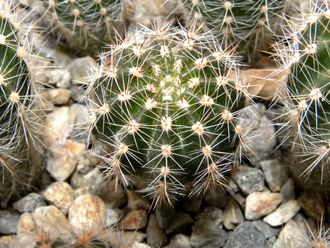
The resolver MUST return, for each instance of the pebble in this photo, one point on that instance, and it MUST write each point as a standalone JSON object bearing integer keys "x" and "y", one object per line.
{"x": 156, "y": 237}
{"x": 29, "y": 203}
{"x": 265, "y": 229}
{"x": 25, "y": 225}
{"x": 248, "y": 179}
{"x": 285, "y": 212}
{"x": 59, "y": 96}
{"x": 259, "y": 204}
{"x": 81, "y": 68}
{"x": 275, "y": 174}
{"x": 57, "y": 77}
{"x": 60, "y": 163}
{"x": 59, "y": 125}
{"x": 179, "y": 223}
{"x": 293, "y": 234}
{"x": 246, "y": 235}
{"x": 52, "y": 222}
{"x": 134, "y": 220}
{"x": 260, "y": 138}
{"x": 7, "y": 241}
{"x": 60, "y": 194}
{"x": 125, "y": 239}
{"x": 140, "y": 245}
{"x": 232, "y": 215}
{"x": 8, "y": 222}
{"x": 136, "y": 201}
{"x": 287, "y": 190}
{"x": 179, "y": 241}
{"x": 88, "y": 214}
{"x": 207, "y": 231}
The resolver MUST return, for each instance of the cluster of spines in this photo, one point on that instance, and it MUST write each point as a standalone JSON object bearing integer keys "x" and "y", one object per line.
{"x": 249, "y": 25}
{"x": 85, "y": 25}
{"x": 306, "y": 51}
{"x": 17, "y": 137}
{"x": 163, "y": 103}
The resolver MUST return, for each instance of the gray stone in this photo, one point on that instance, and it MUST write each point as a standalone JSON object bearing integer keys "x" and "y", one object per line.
{"x": 285, "y": 212}
{"x": 140, "y": 245}
{"x": 265, "y": 229}
{"x": 232, "y": 215}
{"x": 207, "y": 231}
{"x": 249, "y": 179}
{"x": 259, "y": 204}
{"x": 179, "y": 241}
{"x": 156, "y": 237}
{"x": 287, "y": 190}
{"x": 179, "y": 223}
{"x": 246, "y": 235}
{"x": 260, "y": 138}
{"x": 29, "y": 203}
{"x": 8, "y": 222}
{"x": 275, "y": 174}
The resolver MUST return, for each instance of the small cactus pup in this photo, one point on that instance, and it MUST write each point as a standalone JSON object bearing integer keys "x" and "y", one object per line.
{"x": 162, "y": 102}
{"x": 247, "y": 24}
{"x": 17, "y": 126}
{"x": 307, "y": 52}
{"x": 84, "y": 25}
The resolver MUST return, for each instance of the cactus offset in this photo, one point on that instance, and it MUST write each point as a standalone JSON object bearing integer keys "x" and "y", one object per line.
{"x": 163, "y": 103}
{"x": 249, "y": 25}
{"x": 86, "y": 26}
{"x": 17, "y": 140}
{"x": 307, "y": 52}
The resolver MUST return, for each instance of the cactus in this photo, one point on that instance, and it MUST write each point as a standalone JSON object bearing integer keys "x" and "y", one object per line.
{"x": 306, "y": 52}
{"x": 162, "y": 102}
{"x": 86, "y": 26}
{"x": 249, "y": 25}
{"x": 17, "y": 137}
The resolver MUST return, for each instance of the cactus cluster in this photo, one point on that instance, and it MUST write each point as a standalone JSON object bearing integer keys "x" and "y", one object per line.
{"x": 17, "y": 137}
{"x": 84, "y": 25}
{"x": 163, "y": 103}
{"x": 250, "y": 25}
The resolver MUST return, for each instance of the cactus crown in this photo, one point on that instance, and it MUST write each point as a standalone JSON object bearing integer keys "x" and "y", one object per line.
{"x": 85, "y": 25}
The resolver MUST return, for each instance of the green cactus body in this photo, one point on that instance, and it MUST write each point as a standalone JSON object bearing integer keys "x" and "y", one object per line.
{"x": 246, "y": 24}
{"x": 309, "y": 87}
{"x": 85, "y": 25}
{"x": 15, "y": 170}
{"x": 169, "y": 113}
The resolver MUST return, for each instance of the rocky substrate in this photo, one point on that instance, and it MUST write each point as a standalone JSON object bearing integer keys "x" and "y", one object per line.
{"x": 260, "y": 207}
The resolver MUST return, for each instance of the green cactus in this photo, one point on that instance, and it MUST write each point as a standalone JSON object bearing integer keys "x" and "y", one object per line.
{"x": 83, "y": 25}
{"x": 306, "y": 51}
{"x": 247, "y": 24}
{"x": 17, "y": 142}
{"x": 164, "y": 105}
